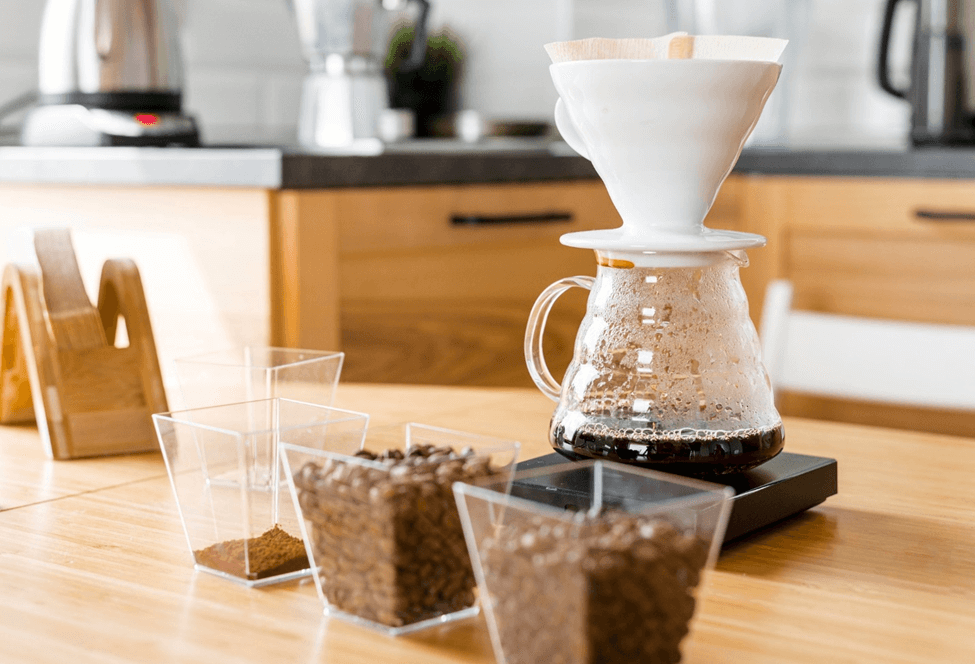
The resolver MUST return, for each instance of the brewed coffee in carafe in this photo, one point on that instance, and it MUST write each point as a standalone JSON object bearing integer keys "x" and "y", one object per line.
{"x": 666, "y": 370}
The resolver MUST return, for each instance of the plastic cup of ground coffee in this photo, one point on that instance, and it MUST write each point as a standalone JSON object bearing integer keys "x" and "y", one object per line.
{"x": 382, "y": 528}
{"x": 239, "y": 520}
{"x": 606, "y": 569}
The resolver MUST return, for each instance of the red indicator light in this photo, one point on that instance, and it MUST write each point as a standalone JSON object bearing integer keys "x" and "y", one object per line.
{"x": 147, "y": 119}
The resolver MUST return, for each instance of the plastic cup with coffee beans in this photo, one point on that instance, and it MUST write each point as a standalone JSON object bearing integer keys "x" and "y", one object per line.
{"x": 611, "y": 576}
{"x": 238, "y": 517}
{"x": 381, "y": 525}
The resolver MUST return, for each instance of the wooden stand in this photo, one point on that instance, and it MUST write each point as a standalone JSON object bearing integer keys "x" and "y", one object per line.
{"x": 59, "y": 365}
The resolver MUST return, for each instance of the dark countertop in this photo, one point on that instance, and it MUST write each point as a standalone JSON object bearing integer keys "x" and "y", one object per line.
{"x": 444, "y": 162}
{"x": 304, "y": 171}
{"x": 952, "y": 163}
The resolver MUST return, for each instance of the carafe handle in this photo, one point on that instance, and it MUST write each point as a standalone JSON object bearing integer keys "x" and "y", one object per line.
{"x": 567, "y": 128}
{"x": 534, "y": 356}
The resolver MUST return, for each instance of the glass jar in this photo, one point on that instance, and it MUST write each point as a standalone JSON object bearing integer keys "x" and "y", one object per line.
{"x": 667, "y": 369}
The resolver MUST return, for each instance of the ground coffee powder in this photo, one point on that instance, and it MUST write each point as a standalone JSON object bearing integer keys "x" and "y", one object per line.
{"x": 275, "y": 552}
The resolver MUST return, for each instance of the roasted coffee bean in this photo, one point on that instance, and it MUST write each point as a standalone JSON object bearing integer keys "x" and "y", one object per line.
{"x": 420, "y": 451}
{"x": 392, "y": 538}
{"x": 614, "y": 589}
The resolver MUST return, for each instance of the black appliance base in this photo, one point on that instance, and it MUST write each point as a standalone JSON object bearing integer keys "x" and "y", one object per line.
{"x": 780, "y": 488}
{"x": 120, "y": 100}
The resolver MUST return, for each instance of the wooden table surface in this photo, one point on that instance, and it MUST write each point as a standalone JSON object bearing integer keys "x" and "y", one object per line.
{"x": 94, "y": 566}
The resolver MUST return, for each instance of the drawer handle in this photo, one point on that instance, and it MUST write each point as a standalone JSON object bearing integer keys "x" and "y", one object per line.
{"x": 933, "y": 215}
{"x": 501, "y": 219}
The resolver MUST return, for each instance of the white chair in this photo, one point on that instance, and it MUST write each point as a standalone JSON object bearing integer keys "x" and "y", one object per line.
{"x": 846, "y": 357}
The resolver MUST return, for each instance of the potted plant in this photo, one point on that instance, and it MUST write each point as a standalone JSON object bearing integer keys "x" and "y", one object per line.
{"x": 430, "y": 90}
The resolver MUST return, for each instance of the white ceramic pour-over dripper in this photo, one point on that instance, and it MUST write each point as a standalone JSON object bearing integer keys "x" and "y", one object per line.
{"x": 663, "y": 135}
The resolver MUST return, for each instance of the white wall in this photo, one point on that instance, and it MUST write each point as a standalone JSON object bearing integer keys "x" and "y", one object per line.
{"x": 244, "y": 67}
{"x": 835, "y": 93}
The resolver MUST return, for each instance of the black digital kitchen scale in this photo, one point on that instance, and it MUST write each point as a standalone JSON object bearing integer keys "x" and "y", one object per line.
{"x": 780, "y": 488}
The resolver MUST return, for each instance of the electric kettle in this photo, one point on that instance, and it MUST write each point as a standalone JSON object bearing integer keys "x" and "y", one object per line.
{"x": 941, "y": 90}
{"x": 110, "y": 73}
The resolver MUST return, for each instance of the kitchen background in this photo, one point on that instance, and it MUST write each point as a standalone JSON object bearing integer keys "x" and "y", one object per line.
{"x": 244, "y": 67}
{"x": 266, "y": 246}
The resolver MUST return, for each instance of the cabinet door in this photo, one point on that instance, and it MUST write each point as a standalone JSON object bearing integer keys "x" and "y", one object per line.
{"x": 902, "y": 250}
{"x": 899, "y": 249}
{"x": 437, "y": 282}
{"x": 434, "y": 284}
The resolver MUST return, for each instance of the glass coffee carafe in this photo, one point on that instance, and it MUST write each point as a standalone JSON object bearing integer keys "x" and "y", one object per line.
{"x": 666, "y": 370}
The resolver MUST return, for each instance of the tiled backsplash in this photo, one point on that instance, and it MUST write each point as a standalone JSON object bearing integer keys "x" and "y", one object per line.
{"x": 244, "y": 66}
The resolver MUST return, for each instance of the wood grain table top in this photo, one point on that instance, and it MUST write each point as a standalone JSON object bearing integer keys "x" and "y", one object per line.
{"x": 94, "y": 565}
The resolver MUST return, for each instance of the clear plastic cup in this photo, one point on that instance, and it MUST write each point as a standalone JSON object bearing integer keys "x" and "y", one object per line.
{"x": 251, "y": 373}
{"x": 385, "y": 539}
{"x": 231, "y": 494}
{"x": 613, "y": 579}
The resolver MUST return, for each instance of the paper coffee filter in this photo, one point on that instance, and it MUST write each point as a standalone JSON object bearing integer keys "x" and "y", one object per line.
{"x": 676, "y": 45}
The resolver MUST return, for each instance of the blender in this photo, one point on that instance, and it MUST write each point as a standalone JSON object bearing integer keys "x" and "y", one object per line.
{"x": 345, "y": 93}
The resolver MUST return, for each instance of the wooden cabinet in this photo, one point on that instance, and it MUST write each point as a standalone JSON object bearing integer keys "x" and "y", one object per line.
{"x": 899, "y": 249}
{"x": 434, "y": 284}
